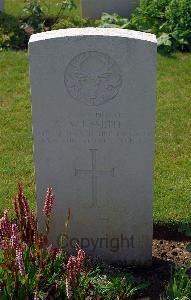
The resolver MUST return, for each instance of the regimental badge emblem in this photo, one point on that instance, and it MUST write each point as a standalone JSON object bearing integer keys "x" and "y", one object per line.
{"x": 93, "y": 78}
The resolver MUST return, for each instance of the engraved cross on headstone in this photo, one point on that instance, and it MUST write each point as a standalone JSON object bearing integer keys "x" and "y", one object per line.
{"x": 94, "y": 173}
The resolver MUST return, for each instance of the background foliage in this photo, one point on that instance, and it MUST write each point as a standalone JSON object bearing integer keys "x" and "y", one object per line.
{"x": 170, "y": 20}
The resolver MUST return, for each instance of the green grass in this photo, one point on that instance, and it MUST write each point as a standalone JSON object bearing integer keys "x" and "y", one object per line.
{"x": 173, "y": 131}
{"x": 51, "y": 7}
{"x": 16, "y": 159}
{"x": 173, "y": 143}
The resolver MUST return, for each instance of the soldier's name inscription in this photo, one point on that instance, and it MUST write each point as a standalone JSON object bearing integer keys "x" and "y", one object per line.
{"x": 97, "y": 127}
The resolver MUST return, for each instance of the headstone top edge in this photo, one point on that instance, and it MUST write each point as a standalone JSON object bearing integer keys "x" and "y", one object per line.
{"x": 90, "y": 31}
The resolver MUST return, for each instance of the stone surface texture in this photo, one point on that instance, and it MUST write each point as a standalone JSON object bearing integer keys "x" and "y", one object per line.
{"x": 1, "y": 5}
{"x": 93, "y": 108}
{"x": 93, "y": 9}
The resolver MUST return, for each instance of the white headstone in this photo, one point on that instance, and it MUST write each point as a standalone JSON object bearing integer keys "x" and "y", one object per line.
{"x": 93, "y": 107}
{"x": 1, "y": 5}
{"x": 93, "y": 9}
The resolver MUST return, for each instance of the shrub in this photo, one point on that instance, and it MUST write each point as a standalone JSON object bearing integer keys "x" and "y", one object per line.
{"x": 11, "y": 33}
{"x": 170, "y": 20}
{"x": 113, "y": 20}
{"x": 178, "y": 24}
{"x": 74, "y": 22}
{"x": 15, "y": 32}
{"x": 65, "y": 4}
{"x": 35, "y": 16}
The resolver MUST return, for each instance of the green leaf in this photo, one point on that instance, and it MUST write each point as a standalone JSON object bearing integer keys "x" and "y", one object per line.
{"x": 164, "y": 40}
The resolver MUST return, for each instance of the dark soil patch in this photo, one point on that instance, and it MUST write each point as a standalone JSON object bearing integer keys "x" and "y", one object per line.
{"x": 171, "y": 251}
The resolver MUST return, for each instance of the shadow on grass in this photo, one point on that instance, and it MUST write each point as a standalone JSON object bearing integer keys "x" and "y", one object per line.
{"x": 167, "y": 54}
{"x": 172, "y": 232}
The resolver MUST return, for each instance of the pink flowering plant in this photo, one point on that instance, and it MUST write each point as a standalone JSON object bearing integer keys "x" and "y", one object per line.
{"x": 31, "y": 268}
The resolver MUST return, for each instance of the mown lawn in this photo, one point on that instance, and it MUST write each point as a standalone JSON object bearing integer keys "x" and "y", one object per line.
{"x": 173, "y": 140}
{"x": 173, "y": 131}
{"x": 16, "y": 160}
{"x": 51, "y": 7}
